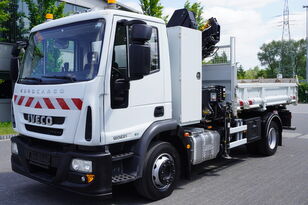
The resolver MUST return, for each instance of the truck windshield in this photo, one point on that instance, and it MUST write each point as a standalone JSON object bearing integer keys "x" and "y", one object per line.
{"x": 63, "y": 54}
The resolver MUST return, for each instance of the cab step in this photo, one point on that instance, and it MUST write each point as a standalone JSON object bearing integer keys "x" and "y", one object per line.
{"x": 122, "y": 156}
{"x": 122, "y": 178}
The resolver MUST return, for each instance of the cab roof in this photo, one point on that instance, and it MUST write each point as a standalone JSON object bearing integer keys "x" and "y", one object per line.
{"x": 94, "y": 15}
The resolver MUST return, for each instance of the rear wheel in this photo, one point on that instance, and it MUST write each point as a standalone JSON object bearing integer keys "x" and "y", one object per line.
{"x": 268, "y": 145}
{"x": 252, "y": 148}
{"x": 160, "y": 172}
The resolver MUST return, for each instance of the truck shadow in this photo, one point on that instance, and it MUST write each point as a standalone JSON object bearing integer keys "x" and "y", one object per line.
{"x": 215, "y": 166}
{"x": 27, "y": 191}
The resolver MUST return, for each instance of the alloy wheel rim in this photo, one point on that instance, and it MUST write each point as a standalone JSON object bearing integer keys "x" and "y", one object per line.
{"x": 272, "y": 138}
{"x": 163, "y": 171}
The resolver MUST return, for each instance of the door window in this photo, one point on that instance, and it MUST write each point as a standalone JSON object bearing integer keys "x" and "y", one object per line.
{"x": 154, "y": 50}
{"x": 119, "y": 68}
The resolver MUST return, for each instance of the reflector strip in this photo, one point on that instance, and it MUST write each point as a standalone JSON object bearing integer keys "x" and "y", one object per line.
{"x": 49, "y": 103}
{"x": 21, "y": 100}
{"x": 63, "y": 104}
{"x": 38, "y": 105}
{"x": 29, "y": 101}
{"x": 77, "y": 102}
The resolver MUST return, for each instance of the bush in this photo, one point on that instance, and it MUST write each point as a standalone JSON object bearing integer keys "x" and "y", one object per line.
{"x": 303, "y": 92}
{"x": 6, "y": 128}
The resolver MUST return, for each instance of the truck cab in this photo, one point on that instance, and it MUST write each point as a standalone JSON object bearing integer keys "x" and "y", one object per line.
{"x": 78, "y": 70}
{"x": 77, "y": 87}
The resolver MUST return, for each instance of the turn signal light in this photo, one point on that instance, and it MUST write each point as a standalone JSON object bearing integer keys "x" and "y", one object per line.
{"x": 90, "y": 177}
{"x": 112, "y": 1}
{"x": 186, "y": 134}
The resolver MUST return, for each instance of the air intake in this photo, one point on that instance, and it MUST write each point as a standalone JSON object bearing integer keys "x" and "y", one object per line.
{"x": 88, "y": 131}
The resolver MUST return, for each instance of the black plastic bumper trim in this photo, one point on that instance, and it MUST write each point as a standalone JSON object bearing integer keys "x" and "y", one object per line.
{"x": 57, "y": 171}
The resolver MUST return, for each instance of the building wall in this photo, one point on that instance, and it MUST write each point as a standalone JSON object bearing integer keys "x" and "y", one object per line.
{"x": 99, "y": 4}
{"x": 5, "y": 82}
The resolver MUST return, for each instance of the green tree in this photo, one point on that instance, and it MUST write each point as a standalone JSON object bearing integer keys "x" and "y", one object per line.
{"x": 218, "y": 58}
{"x": 37, "y": 15}
{"x": 197, "y": 9}
{"x": 39, "y": 8}
{"x": 288, "y": 55}
{"x": 4, "y": 14}
{"x": 11, "y": 22}
{"x": 303, "y": 92}
{"x": 255, "y": 73}
{"x": 241, "y": 72}
{"x": 152, "y": 8}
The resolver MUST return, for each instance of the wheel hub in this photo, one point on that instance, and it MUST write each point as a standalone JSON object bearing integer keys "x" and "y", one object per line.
{"x": 163, "y": 172}
{"x": 272, "y": 138}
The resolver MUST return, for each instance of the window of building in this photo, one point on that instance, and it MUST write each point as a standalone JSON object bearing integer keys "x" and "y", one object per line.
{"x": 80, "y": 9}
{"x": 5, "y": 86}
{"x": 71, "y": 8}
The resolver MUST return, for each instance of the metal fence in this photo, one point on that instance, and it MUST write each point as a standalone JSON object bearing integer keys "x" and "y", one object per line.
{"x": 225, "y": 54}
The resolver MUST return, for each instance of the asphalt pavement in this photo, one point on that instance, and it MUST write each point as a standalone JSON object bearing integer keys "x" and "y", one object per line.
{"x": 246, "y": 179}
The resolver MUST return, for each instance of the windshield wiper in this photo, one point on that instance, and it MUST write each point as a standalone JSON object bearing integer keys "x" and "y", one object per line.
{"x": 31, "y": 78}
{"x": 65, "y": 77}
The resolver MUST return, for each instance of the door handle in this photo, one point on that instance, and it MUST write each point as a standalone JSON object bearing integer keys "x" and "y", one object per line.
{"x": 159, "y": 111}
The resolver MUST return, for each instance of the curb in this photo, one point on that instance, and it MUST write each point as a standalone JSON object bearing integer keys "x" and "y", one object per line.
{"x": 6, "y": 137}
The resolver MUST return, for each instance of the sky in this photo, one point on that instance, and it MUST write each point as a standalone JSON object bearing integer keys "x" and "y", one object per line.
{"x": 251, "y": 22}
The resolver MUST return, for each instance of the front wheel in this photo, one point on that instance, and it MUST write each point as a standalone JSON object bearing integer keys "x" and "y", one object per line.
{"x": 268, "y": 145}
{"x": 160, "y": 172}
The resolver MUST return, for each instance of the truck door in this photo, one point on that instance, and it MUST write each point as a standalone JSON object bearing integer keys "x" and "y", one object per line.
{"x": 132, "y": 107}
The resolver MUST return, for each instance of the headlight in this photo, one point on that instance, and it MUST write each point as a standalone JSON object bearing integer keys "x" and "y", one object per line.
{"x": 14, "y": 148}
{"x": 80, "y": 165}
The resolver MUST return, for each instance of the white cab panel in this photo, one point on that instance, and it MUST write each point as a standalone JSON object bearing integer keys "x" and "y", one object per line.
{"x": 145, "y": 95}
{"x": 186, "y": 64}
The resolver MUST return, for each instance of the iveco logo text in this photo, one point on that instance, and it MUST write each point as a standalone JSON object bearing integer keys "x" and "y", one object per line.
{"x": 38, "y": 119}
{"x": 41, "y": 92}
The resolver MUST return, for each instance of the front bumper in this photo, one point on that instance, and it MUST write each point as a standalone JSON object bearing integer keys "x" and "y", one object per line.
{"x": 50, "y": 163}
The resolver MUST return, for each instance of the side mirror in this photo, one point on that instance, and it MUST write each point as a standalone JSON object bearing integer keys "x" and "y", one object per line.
{"x": 140, "y": 51}
{"x": 14, "y": 67}
{"x": 141, "y": 33}
{"x": 22, "y": 44}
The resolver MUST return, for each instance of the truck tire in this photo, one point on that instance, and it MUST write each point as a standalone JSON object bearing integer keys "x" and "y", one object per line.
{"x": 269, "y": 143}
{"x": 252, "y": 148}
{"x": 161, "y": 172}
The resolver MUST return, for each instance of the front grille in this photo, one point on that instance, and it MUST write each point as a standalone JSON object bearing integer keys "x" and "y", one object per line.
{"x": 55, "y": 120}
{"x": 44, "y": 130}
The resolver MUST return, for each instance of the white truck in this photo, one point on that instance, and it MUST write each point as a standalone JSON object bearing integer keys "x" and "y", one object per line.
{"x": 111, "y": 97}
